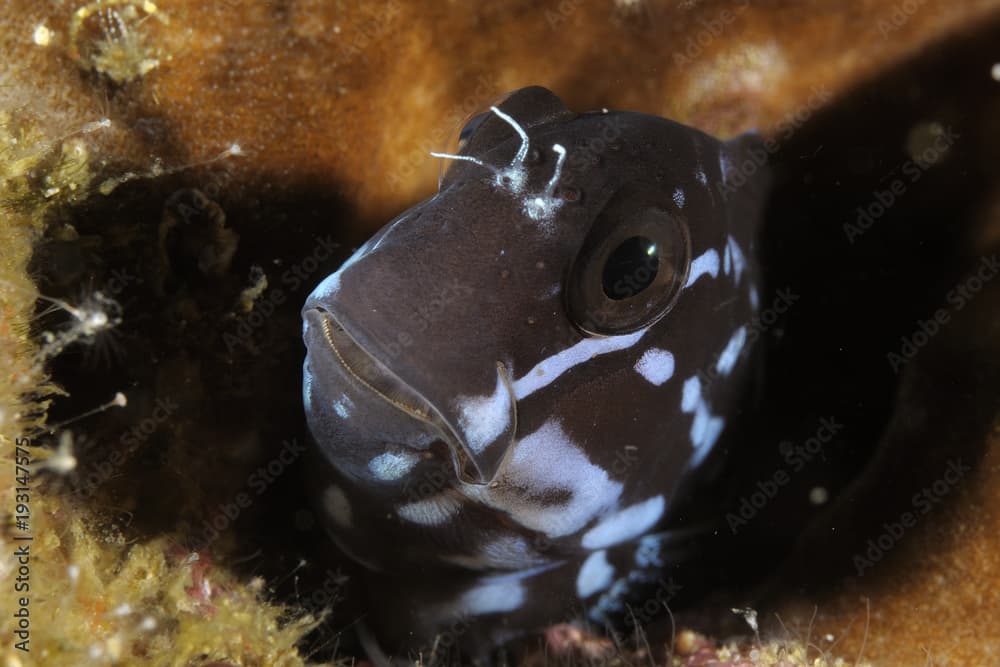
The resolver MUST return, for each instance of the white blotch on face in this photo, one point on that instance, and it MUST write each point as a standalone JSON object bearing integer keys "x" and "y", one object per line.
{"x": 307, "y": 385}
{"x": 738, "y": 259}
{"x": 494, "y": 596}
{"x": 706, "y": 263}
{"x": 483, "y": 418}
{"x": 656, "y": 365}
{"x": 679, "y": 198}
{"x": 432, "y": 511}
{"x": 648, "y": 554}
{"x": 337, "y": 506}
{"x": 724, "y": 165}
{"x": 624, "y": 524}
{"x": 701, "y": 177}
{"x": 691, "y": 394}
{"x": 343, "y": 406}
{"x": 546, "y": 462}
{"x": 595, "y": 575}
{"x": 727, "y": 360}
{"x": 547, "y": 370}
{"x": 391, "y": 466}
{"x": 505, "y": 552}
{"x": 705, "y": 428}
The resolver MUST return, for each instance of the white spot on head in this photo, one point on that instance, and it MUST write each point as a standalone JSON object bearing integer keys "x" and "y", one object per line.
{"x": 739, "y": 260}
{"x": 595, "y": 575}
{"x": 504, "y": 552}
{"x": 547, "y": 370}
{"x": 432, "y": 511}
{"x": 679, "y": 198}
{"x": 496, "y": 595}
{"x": 343, "y": 406}
{"x": 541, "y": 463}
{"x": 706, "y": 428}
{"x": 727, "y": 360}
{"x": 390, "y": 466}
{"x": 522, "y": 151}
{"x": 624, "y": 524}
{"x": 337, "y": 506}
{"x": 705, "y": 431}
{"x": 700, "y": 175}
{"x": 648, "y": 553}
{"x": 656, "y": 365}
{"x": 307, "y": 383}
{"x": 483, "y": 418}
{"x": 692, "y": 394}
{"x": 724, "y": 165}
{"x": 706, "y": 263}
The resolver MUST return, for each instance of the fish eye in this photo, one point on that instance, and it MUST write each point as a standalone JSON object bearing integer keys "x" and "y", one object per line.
{"x": 630, "y": 269}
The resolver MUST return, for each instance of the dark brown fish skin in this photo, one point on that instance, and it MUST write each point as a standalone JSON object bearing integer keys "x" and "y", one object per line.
{"x": 497, "y": 436}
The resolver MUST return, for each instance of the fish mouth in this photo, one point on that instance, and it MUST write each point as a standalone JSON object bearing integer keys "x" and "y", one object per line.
{"x": 378, "y": 379}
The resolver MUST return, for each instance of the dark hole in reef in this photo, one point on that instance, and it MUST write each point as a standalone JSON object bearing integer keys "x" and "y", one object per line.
{"x": 630, "y": 268}
{"x": 214, "y": 393}
{"x": 870, "y": 394}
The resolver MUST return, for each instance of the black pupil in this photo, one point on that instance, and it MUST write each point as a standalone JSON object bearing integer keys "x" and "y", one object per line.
{"x": 631, "y": 268}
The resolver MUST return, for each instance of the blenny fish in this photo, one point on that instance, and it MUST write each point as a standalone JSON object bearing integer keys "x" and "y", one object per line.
{"x": 513, "y": 385}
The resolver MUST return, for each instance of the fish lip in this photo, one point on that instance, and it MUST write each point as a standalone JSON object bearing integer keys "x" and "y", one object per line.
{"x": 380, "y": 381}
